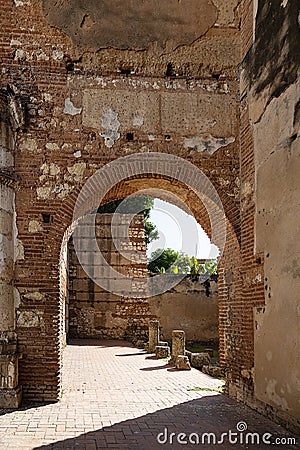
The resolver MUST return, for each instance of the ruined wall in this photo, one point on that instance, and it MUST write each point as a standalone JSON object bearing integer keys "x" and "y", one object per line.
{"x": 191, "y": 306}
{"x": 270, "y": 101}
{"x": 171, "y": 96}
{"x": 11, "y": 250}
{"x": 97, "y": 313}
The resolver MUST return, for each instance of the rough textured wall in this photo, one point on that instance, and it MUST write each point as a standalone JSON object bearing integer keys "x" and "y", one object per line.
{"x": 96, "y": 313}
{"x": 191, "y": 306}
{"x": 132, "y": 24}
{"x": 10, "y": 250}
{"x": 58, "y": 147}
{"x": 270, "y": 84}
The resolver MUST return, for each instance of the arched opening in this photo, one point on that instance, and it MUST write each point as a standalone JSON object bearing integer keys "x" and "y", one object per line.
{"x": 190, "y": 303}
{"x": 176, "y": 193}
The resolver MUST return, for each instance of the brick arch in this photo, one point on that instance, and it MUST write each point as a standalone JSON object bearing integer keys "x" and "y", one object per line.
{"x": 47, "y": 275}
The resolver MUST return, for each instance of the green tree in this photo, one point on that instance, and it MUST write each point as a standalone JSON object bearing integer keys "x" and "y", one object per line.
{"x": 179, "y": 262}
{"x": 151, "y": 233}
{"x": 168, "y": 259}
{"x": 210, "y": 267}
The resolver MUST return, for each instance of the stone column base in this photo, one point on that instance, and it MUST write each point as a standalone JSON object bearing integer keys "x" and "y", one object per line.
{"x": 10, "y": 398}
{"x": 10, "y": 391}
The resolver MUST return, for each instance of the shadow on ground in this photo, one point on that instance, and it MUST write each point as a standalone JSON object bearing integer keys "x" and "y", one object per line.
{"x": 215, "y": 414}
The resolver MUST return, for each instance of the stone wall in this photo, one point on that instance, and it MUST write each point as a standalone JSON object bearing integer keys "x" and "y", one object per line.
{"x": 178, "y": 97}
{"x": 93, "y": 311}
{"x": 170, "y": 98}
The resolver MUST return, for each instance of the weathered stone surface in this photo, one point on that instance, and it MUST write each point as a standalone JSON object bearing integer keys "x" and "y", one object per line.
{"x": 162, "y": 351}
{"x": 8, "y": 372}
{"x": 135, "y": 24}
{"x": 207, "y": 143}
{"x": 10, "y": 398}
{"x": 35, "y": 226}
{"x": 188, "y": 354}
{"x": 70, "y": 108}
{"x": 214, "y": 371}
{"x": 182, "y": 363}
{"x": 188, "y": 306}
{"x": 153, "y": 335}
{"x": 277, "y": 151}
{"x": 111, "y": 124}
{"x": 178, "y": 344}
{"x": 140, "y": 344}
{"x": 269, "y": 70}
{"x": 210, "y": 351}
{"x": 114, "y": 111}
{"x": 114, "y": 107}
{"x": 198, "y": 360}
{"x": 29, "y": 319}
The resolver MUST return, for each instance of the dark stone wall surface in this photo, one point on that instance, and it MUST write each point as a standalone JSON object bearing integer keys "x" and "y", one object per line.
{"x": 273, "y": 60}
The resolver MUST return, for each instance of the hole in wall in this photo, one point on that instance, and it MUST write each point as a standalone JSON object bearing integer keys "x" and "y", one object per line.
{"x": 69, "y": 66}
{"x": 169, "y": 70}
{"x": 46, "y": 217}
{"x": 129, "y": 136}
{"x": 126, "y": 70}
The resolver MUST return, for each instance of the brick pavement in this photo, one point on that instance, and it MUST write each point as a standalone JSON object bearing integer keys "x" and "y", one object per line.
{"x": 116, "y": 396}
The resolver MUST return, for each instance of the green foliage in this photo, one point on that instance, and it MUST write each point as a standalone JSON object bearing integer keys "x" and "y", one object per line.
{"x": 210, "y": 267}
{"x": 168, "y": 259}
{"x": 195, "y": 266}
{"x": 178, "y": 262}
{"x": 151, "y": 233}
{"x": 129, "y": 206}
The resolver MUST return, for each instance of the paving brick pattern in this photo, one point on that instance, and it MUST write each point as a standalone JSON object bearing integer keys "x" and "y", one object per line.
{"x": 116, "y": 396}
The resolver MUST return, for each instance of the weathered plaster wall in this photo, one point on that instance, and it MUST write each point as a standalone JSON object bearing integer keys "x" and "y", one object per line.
{"x": 190, "y": 306}
{"x": 277, "y": 345}
{"x": 270, "y": 84}
{"x": 132, "y": 24}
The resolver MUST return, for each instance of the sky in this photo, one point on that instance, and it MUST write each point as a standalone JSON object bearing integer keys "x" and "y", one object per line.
{"x": 179, "y": 231}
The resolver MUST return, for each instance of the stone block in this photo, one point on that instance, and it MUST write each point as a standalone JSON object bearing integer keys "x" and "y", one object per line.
{"x": 178, "y": 344}
{"x": 182, "y": 363}
{"x": 210, "y": 351}
{"x": 153, "y": 335}
{"x": 10, "y": 398}
{"x": 214, "y": 371}
{"x": 188, "y": 354}
{"x": 198, "y": 360}
{"x": 162, "y": 351}
{"x": 8, "y": 371}
{"x": 140, "y": 344}
{"x": 126, "y": 104}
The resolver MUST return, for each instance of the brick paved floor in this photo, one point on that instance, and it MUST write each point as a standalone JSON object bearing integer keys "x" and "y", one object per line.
{"x": 116, "y": 396}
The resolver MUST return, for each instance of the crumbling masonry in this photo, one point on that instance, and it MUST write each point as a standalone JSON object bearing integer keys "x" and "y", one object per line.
{"x": 212, "y": 81}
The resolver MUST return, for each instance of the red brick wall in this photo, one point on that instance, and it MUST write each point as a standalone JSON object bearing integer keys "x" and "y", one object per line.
{"x": 37, "y": 64}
